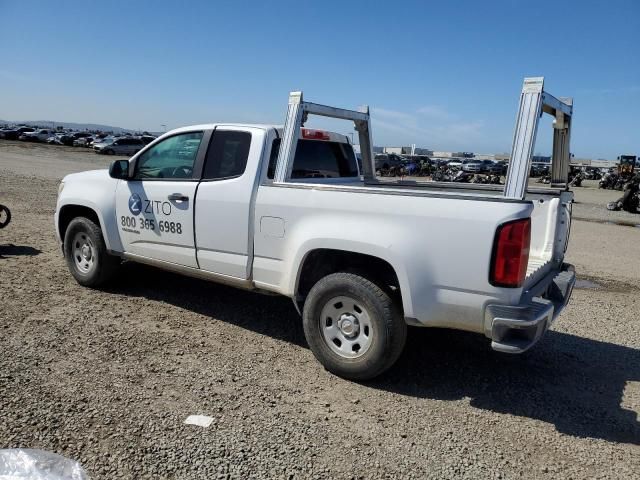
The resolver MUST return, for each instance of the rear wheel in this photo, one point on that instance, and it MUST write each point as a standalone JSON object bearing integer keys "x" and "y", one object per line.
{"x": 353, "y": 327}
{"x": 86, "y": 253}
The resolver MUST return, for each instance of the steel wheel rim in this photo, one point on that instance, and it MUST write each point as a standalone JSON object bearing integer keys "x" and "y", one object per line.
{"x": 4, "y": 215}
{"x": 84, "y": 252}
{"x": 346, "y": 326}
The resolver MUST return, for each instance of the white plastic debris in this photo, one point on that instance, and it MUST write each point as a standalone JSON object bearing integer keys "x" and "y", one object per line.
{"x": 23, "y": 464}
{"x": 199, "y": 420}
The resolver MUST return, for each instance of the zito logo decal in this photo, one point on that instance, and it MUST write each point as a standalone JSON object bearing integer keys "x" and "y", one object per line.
{"x": 138, "y": 223}
{"x": 135, "y": 204}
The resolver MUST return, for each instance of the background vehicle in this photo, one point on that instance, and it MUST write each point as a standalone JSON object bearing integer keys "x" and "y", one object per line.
{"x": 37, "y": 136}
{"x": 409, "y": 167}
{"x": 121, "y": 146}
{"x": 55, "y": 139}
{"x": 105, "y": 142}
{"x": 491, "y": 167}
{"x": 455, "y": 164}
{"x": 14, "y": 133}
{"x": 388, "y": 164}
{"x": 286, "y": 211}
{"x": 539, "y": 170}
{"x": 626, "y": 164}
{"x": 474, "y": 166}
{"x": 69, "y": 138}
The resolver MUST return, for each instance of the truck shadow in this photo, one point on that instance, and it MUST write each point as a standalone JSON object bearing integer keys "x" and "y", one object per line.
{"x": 575, "y": 383}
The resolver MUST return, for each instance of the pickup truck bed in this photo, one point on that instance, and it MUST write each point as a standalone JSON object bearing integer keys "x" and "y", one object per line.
{"x": 546, "y": 218}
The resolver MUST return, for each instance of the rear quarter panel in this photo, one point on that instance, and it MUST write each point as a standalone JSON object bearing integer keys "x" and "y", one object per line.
{"x": 440, "y": 248}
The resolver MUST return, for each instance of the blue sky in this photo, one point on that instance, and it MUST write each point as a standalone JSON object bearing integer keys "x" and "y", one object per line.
{"x": 443, "y": 74}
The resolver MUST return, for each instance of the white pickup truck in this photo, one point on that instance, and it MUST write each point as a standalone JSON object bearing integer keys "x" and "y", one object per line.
{"x": 288, "y": 211}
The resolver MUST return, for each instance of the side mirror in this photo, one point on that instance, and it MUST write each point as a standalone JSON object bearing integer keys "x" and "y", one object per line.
{"x": 119, "y": 169}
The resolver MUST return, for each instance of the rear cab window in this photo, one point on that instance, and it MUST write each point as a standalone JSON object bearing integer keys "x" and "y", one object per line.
{"x": 317, "y": 159}
{"x": 227, "y": 154}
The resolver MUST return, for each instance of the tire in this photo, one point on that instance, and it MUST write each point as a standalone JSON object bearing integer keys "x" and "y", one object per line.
{"x": 109, "y": 152}
{"x": 86, "y": 254}
{"x": 371, "y": 340}
{"x": 5, "y": 216}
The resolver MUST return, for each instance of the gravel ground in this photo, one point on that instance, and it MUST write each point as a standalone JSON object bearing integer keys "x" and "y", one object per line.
{"x": 108, "y": 377}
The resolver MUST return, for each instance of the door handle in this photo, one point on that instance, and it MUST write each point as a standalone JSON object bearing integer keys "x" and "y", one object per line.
{"x": 178, "y": 197}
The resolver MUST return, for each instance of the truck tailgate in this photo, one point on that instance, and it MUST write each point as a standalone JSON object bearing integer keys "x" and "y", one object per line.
{"x": 550, "y": 224}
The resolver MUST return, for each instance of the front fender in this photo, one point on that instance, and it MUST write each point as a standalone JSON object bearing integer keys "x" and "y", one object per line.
{"x": 94, "y": 190}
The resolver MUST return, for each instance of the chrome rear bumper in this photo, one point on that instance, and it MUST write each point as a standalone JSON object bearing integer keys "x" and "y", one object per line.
{"x": 516, "y": 328}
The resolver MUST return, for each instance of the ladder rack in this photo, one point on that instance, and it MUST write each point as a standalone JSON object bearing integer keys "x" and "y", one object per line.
{"x": 297, "y": 114}
{"x": 534, "y": 101}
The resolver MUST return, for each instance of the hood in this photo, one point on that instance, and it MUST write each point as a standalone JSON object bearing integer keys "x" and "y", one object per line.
{"x": 89, "y": 175}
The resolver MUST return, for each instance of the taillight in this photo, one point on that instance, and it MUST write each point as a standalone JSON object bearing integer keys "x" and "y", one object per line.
{"x": 511, "y": 254}
{"x": 314, "y": 134}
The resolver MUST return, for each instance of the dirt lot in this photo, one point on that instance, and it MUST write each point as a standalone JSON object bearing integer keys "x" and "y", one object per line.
{"x": 108, "y": 377}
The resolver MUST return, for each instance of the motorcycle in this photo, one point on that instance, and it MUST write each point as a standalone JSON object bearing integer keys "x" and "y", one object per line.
{"x": 576, "y": 181}
{"x": 443, "y": 174}
{"x": 630, "y": 201}
{"x": 462, "y": 177}
{"x": 491, "y": 178}
{"x": 608, "y": 180}
{"x": 546, "y": 179}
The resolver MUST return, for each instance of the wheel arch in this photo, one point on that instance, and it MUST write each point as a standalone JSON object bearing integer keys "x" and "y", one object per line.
{"x": 319, "y": 262}
{"x": 68, "y": 212}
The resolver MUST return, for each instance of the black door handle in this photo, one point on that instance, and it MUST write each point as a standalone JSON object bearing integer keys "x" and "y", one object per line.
{"x": 178, "y": 197}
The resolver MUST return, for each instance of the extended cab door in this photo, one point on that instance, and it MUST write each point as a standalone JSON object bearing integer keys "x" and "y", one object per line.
{"x": 226, "y": 196}
{"x": 155, "y": 209}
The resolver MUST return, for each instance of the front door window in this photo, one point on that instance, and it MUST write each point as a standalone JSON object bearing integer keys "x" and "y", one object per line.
{"x": 172, "y": 158}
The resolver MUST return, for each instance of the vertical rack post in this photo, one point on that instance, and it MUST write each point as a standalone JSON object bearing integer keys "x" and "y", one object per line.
{"x": 366, "y": 145}
{"x": 561, "y": 154}
{"x": 290, "y": 134}
{"x": 534, "y": 101}
{"x": 524, "y": 138}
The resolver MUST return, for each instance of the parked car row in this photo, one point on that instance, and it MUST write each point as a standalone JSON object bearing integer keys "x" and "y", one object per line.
{"x": 99, "y": 142}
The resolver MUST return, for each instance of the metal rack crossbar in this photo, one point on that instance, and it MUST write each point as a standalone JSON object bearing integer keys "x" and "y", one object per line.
{"x": 297, "y": 114}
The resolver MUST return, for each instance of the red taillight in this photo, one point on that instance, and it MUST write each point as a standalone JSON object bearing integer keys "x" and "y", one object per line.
{"x": 314, "y": 134}
{"x": 511, "y": 254}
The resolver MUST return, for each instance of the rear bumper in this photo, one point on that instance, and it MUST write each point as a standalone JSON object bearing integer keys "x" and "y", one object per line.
{"x": 516, "y": 328}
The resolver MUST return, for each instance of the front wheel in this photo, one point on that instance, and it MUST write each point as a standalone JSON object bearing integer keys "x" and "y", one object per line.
{"x": 86, "y": 253}
{"x": 353, "y": 327}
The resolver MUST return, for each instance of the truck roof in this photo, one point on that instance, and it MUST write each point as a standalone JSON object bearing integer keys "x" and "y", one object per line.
{"x": 306, "y": 133}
